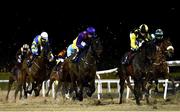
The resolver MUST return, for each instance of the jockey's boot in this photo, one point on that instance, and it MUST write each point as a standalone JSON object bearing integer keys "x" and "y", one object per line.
{"x": 126, "y": 61}
{"x": 29, "y": 64}
{"x": 30, "y": 61}
{"x": 75, "y": 58}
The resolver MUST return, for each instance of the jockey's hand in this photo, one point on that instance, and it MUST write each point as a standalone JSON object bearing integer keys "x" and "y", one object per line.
{"x": 19, "y": 60}
{"x": 140, "y": 44}
{"x": 19, "y": 56}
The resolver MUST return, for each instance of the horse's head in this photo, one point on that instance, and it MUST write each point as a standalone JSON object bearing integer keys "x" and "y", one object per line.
{"x": 166, "y": 47}
{"x": 149, "y": 50}
{"x": 97, "y": 47}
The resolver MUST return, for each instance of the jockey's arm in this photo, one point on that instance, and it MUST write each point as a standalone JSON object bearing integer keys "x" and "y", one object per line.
{"x": 133, "y": 41}
{"x": 34, "y": 48}
{"x": 51, "y": 56}
{"x": 18, "y": 54}
{"x": 149, "y": 37}
{"x": 79, "y": 40}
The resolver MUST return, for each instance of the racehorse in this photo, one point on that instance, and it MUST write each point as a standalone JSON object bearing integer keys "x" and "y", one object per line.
{"x": 82, "y": 74}
{"x": 17, "y": 76}
{"x": 137, "y": 69}
{"x": 13, "y": 77}
{"x": 37, "y": 73}
{"x": 160, "y": 67}
{"x": 55, "y": 73}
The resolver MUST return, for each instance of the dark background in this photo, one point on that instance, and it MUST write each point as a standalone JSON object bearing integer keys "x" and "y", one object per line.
{"x": 20, "y": 24}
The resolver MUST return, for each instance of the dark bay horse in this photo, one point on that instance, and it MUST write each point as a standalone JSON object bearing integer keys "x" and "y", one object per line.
{"x": 82, "y": 74}
{"x": 137, "y": 69}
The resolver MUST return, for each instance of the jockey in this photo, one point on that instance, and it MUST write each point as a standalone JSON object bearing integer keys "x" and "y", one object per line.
{"x": 137, "y": 38}
{"x": 158, "y": 35}
{"x": 61, "y": 56}
{"x": 82, "y": 41}
{"x": 38, "y": 43}
{"x": 20, "y": 55}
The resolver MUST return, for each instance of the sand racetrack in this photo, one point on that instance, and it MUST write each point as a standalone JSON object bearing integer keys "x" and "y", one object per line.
{"x": 88, "y": 104}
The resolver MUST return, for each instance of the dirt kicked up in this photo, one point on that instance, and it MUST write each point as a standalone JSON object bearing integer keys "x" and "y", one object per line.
{"x": 88, "y": 104}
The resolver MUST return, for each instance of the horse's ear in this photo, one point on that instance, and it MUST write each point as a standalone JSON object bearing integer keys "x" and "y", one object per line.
{"x": 167, "y": 38}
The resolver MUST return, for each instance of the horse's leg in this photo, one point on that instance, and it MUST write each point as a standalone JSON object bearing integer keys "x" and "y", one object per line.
{"x": 33, "y": 87}
{"x": 129, "y": 84}
{"x": 18, "y": 87}
{"x": 91, "y": 88}
{"x": 173, "y": 85}
{"x": 65, "y": 90}
{"x": 146, "y": 91}
{"x": 25, "y": 80}
{"x": 52, "y": 79}
{"x": 57, "y": 89}
{"x": 22, "y": 81}
{"x": 121, "y": 83}
{"x": 137, "y": 85}
{"x": 156, "y": 88}
{"x": 11, "y": 80}
{"x": 20, "y": 96}
{"x": 71, "y": 91}
{"x": 50, "y": 87}
{"x": 38, "y": 88}
{"x": 79, "y": 89}
{"x": 25, "y": 90}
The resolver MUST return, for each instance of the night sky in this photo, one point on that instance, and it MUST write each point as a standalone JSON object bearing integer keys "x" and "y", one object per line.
{"x": 63, "y": 23}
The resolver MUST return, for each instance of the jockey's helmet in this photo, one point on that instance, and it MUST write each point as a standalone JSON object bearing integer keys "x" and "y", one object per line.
{"x": 159, "y": 34}
{"x": 44, "y": 36}
{"x": 143, "y": 28}
{"x": 25, "y": 48}
{"x": 91, "y": 32}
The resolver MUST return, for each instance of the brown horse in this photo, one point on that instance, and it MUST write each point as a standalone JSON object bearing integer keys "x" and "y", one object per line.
{"x": 82, "y": 74}
{"x": 36, "y": 73}
{"x": 55, "y": 73}
{"x": 13, "y": 77}
{"x": 160, "y": 67}
{"x": 17, "y": 76}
